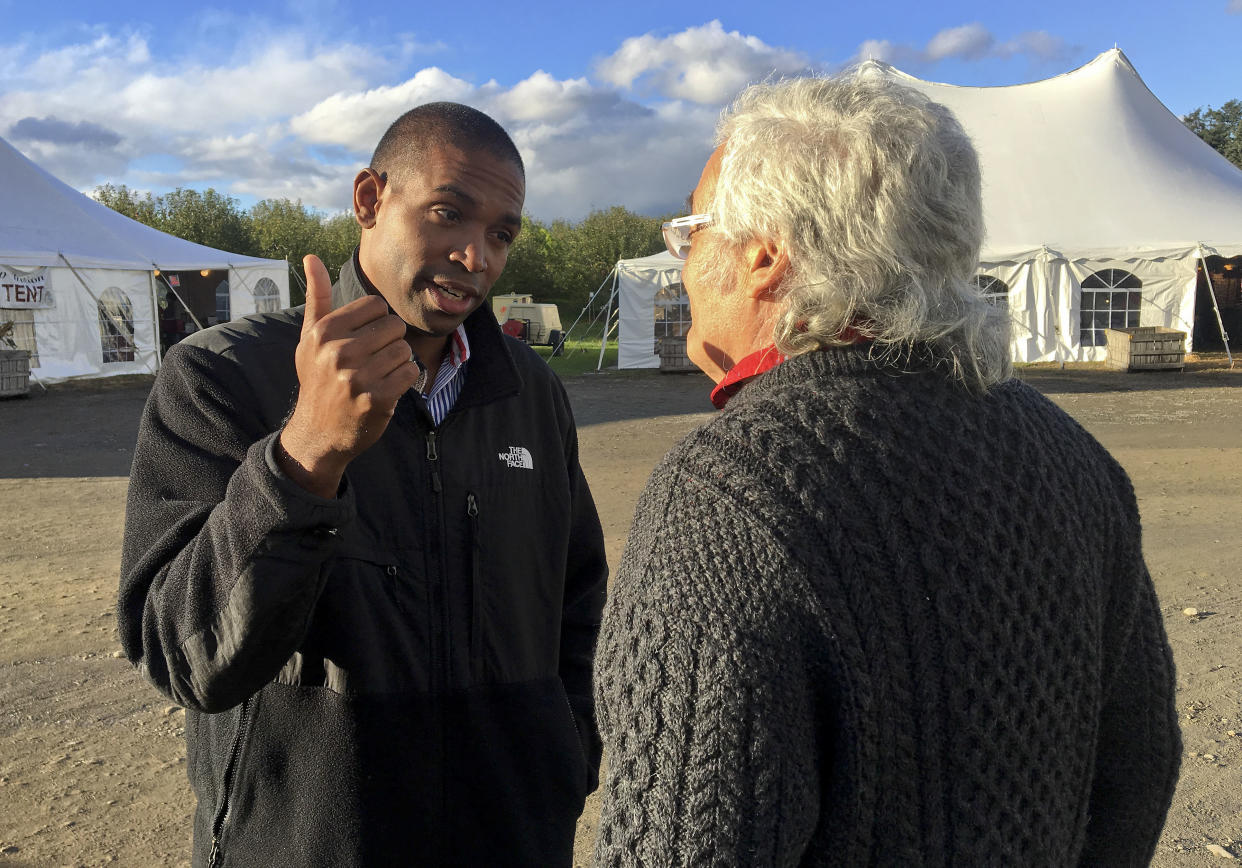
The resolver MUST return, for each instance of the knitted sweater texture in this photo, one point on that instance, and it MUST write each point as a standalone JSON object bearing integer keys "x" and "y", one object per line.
{"x": 868, "y": 617}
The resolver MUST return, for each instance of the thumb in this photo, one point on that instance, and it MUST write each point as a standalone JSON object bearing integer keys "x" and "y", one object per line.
{"x": 318, "y": 291}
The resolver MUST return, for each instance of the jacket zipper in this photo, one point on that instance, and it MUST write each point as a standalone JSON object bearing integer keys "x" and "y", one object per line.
{"x": 230, "y": 769}
{"x": 439, "y": 656}
{"x": 476, "y": 590}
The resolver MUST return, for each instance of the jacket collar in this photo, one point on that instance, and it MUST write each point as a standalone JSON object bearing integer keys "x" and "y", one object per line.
{"x": 493, "y": 372}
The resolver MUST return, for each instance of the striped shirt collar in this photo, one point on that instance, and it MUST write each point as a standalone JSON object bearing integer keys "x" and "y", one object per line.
{"x": 456, "y": 354}
{"x": 450, "y": 377}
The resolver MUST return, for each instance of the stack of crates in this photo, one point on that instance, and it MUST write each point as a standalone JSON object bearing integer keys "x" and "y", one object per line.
{"x": 14, "y": 373}
{"x": 1146, "y": 348}
{"x": 673, "y": 358}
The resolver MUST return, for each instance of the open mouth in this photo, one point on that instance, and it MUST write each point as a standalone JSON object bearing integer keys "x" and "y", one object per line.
{"x": 452, "y": 290}
{"x": 452, "y": 298}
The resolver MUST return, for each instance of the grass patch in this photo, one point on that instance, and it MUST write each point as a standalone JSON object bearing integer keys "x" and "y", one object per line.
{"x": 579, "y": 357}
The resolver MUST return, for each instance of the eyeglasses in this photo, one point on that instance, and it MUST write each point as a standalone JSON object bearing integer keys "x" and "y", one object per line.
{"x": 677, "y": 233}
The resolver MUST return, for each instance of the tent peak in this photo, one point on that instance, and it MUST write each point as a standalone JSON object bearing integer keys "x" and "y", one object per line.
{"x": 1110, "y": 57}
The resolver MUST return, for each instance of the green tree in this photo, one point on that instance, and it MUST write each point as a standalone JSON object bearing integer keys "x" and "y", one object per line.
{"x": 527, "y": 268}
{"x": 582, "y": 254}
{"x": 289, "y": 230}
{"x": 1221, "y": 128}
{"x": 338, "y": 236}
{"x": 208, "y": 218}
{"x": 283, "y": 229}
{"x": 125, "y": 201}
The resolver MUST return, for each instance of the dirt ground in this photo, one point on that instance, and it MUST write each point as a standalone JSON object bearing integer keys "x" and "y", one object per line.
{"x": 92, "y": 761}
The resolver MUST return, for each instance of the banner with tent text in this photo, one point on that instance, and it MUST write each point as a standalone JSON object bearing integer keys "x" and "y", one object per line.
{"x": 25, "y": 289}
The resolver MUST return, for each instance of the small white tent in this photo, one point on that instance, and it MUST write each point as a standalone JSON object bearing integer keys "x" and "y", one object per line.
{"x": 1098, "y": 201}
{"x": 80, "y": 280}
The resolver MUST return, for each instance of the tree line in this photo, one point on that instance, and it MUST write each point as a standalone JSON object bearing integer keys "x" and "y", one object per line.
{"x": 562, "y": 262}
{"x": 1220, "y": 127}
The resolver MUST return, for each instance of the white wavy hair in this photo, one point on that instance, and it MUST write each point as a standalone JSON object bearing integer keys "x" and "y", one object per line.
{"x": 874, "y": 191}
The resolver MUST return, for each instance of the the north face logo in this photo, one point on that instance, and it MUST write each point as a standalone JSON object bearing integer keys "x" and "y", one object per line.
{"x": 518, "y": 456}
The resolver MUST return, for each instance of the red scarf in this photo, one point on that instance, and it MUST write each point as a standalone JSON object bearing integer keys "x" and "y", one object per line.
{"x": 747, "y": 369}
{"x": 757, "y": 363}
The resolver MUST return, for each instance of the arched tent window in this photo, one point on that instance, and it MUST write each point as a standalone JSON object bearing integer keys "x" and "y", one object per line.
{"x": 672, "y": 312}
{"x": 116, "y": 326}
{"x": 994, "y": 290}
{"x": 1111, "y": 298}
{"x": 266, "y": 296}
{"x": 222, "y": 302}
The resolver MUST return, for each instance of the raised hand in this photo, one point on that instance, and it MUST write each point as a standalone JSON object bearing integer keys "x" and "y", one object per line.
{"x": 353, "y": 365}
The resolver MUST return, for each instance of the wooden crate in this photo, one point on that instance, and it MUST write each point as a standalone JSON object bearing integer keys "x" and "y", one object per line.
{"x": 14, "y": 373}
{"x": 1146, "y": 348}
{"x": 673, "y": 358}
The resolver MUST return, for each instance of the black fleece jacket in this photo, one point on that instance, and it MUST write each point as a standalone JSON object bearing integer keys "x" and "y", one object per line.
{"x": 400, "y": 675}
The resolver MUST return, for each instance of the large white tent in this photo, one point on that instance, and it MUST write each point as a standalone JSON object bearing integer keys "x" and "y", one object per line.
{"x": 80, "y": 280}
{"x": 1099, "y": 204}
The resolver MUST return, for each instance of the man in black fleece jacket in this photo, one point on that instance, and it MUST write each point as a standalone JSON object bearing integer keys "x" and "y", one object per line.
{"x": 360, "y": 549}
{"x": 889, "y": 607}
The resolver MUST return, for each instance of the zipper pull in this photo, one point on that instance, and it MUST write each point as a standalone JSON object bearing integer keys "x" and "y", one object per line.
{"x": 214, "y": 858}
{"x": 472, "y": 506}
{"x": 432, "y": 454}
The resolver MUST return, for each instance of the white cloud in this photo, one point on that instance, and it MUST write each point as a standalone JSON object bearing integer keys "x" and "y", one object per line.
{"x": 1235, "y": 7}
{"x": 542, "y": 98}
{"x": 701, "y": 64}
{"x": 286, "y": 116}
{"x": 357, "y": 120}
{"x": 968, "y": 42}
{"x": 971, "y": 42}
{"x": 644, "y": 159}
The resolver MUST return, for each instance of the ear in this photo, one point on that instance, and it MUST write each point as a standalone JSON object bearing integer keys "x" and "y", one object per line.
{"x": 367, "y": 188}
{"x": 766, "y": 263}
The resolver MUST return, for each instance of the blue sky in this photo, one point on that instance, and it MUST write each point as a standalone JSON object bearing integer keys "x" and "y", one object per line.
{"x": 609, "y": 103}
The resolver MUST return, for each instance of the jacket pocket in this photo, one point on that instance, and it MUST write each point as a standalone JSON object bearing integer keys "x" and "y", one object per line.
{"x": 370, "y": 632}
{"x": 577, "y": 730}
{"x": 359, "y": 559}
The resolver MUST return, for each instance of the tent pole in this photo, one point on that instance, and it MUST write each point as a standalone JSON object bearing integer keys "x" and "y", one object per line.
{"x": 603, "y": 341}
{"x": 566, "y": 333}
{"x": 85, "y": 285}
{"x": 155, "y": 313}
{"x": 1046, "y": 262}
{"x": 294, "y": 272}
{"x": 1224, "y": 336}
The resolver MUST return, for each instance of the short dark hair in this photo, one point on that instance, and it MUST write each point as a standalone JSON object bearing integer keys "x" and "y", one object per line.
{"x": 441, "y": 123}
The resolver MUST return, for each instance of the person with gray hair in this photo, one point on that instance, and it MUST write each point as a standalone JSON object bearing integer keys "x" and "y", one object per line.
{"x": 889, "y": 607}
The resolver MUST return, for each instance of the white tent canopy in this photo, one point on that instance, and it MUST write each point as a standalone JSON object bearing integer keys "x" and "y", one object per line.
{"x": 1091, "y": 165}
{"x": 1098, "y": 204}
{"x": 80, "y": 276}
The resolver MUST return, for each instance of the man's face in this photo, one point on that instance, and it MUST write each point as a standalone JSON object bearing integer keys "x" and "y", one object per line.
{"x": 710, "y": 277}
{"x": 436, "y": 235}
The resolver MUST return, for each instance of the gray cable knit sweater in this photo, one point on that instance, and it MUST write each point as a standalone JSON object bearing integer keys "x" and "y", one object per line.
{"x": 867, "y": 617}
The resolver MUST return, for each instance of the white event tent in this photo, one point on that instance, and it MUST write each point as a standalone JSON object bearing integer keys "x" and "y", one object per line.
{"x": 1099, "y": 205}
{"x": 80, "y": 281}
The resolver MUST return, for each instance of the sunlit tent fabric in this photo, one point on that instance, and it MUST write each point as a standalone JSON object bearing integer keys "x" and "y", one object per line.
{"x": 80, "y": 277}
{"x": 1098, "y": 202}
